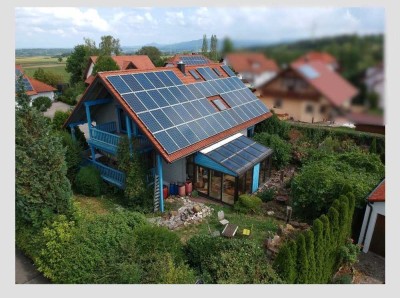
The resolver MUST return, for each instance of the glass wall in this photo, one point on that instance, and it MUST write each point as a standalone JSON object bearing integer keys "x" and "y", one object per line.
{"x": 265, "y": 171}
{"x": 215, "y": 184}
{"x": 228, "y": 189}
{"x": 245, "y": 182}
{"x": 201, "y": 183}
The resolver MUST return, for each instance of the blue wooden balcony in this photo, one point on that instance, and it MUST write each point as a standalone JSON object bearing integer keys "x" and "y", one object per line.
{"x": 104, "y": 137}
{"x": 109, "y": 174}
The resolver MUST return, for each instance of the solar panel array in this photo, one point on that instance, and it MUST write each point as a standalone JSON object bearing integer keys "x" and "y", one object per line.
{"x": 27, "y": 84}
{"x": 194, "y": 60}
{"x": 239, "y": 154}
{"x": 228, "y": 70}
{"x": 179, "y": 115}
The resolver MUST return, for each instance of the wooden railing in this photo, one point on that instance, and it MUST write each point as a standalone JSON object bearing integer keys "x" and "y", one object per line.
{"x": 107, "y": 127}
{"x": 109, "y": 174}
{"x": 109, "y": 140}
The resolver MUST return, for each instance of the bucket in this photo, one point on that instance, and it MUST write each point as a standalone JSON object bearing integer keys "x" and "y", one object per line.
{"x": 188, "y": 187}
{"x": 171, "y": 189}
{"x": 165, "y": 191}
{"x": 181, "y": 190}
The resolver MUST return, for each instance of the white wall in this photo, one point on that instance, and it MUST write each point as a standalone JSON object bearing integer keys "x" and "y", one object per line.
{"x": 90, "y": 70}
{"x": 263, "y": 78}
{"x": 378, "y": 208}
{"x": 175, "y": 172}
{"x": 47, "y": 94}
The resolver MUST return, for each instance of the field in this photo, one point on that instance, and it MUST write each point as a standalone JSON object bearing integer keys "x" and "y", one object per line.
{"x": 31, "y": 64}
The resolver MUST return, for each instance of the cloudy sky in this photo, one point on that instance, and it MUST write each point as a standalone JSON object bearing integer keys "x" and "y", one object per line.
{"x": 53, "y": 27}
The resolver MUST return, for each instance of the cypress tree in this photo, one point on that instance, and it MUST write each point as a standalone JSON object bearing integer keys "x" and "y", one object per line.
{"x": 343, "y": 219}
{"x": 319, "y": 249}
{"x": 284, "y": 264}
{"x": 310, "y": 247}
{"x": 333, "y": 215}
{"x": 302, "y": 261}
{"x": 372, "y": 148}
{"x": 41, "y": 185}
{"x": 352, "y": 205}
{"x": 293, "y": 250}
{"x": 329, "y": 250}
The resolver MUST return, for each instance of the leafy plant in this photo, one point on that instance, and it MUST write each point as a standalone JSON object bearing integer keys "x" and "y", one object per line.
{"x": 42, "y": 103}
{"x": 282, "y": 149}
{"x": 348, "y": 253}
{"x": 273, "y": 125}
{"x": 267, "y": 194}
{"x": 88, "y": 181}
{"x": 248, "y": 204}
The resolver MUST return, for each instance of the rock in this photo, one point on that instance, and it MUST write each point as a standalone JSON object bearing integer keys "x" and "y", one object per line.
{"x": 271, "y": 213}
{"x": 196, "y": 208}
{"x": 289, "y": 228}
{"x": 174, "y": 213}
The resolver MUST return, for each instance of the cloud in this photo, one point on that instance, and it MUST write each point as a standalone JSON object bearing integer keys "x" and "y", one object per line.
{"x": 175, "y": 18}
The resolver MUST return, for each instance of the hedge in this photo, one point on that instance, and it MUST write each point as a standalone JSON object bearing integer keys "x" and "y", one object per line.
{"x": 316, "y": 254}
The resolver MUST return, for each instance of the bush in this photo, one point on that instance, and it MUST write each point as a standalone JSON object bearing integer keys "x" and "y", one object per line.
{"x": 267, "y": 194}
{"x": 59, "y": 119}
{"x": 70, "y": 95}
{"x": 73, "y": 155}
{"x": 348, "y": 253}
{"x": 42, "y": 103}
{"x": 219, "y": 260}
{"x": 273, "y": 125}
{"x": 248, "y": 204}
{"x": 282, "y": 149}
{"x": 88, "y": 181}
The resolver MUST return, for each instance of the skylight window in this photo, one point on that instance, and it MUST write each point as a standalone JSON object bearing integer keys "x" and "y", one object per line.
{"x": 216, "y": 70}
{"x": 309, "y": 71}
{"x": 194, "y": 74}
{"x": 219, "y": 104}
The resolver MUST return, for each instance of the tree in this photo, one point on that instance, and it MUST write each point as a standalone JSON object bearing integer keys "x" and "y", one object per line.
{"x": 282, "y": 149}
{"x": 317, "y": 229}
{"x": 213, "y": 47}
{"x": 60, "y": 59}
{"x": 104, "y": 63}
{"x": 310, "y": 247}
{"x": 373, "y": 100}
{"x": 41, "y": 186}
{"x": 109, "y": 46}
{"x": 372, "y": 148}
{"x": 76, "y": 63}
{"x": 204, "y": 47}
{"x": 153, "y": 53}
{"x": 91, "y": 48}
{"x": 47, "y": 77}
{"x": 227, "y": 46}
{"x": 302, "y": 260}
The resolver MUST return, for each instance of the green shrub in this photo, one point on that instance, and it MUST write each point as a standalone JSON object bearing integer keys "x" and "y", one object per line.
{"x": 273, "y": 125}
{"x": 42, "y": 103}
{"x": 267, "y": 194}
{"x": 220, "y": 260}
{"x": 88, "y": 181}
{"x": 73, "y": 155}
{"x": 248, "y": 204}
{"x": 310, "y": 248}
{"x": 344, "y": 279}
{"x": 302, "y": 265}
{"x": 59, "y": 119}
{"x": 285, "y": 264}
{"x": 282, "y": 149}
{"x": 348, "y": 253}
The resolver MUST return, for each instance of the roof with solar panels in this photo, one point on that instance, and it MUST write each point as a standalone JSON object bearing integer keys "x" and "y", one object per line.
{"x": 180, "y": 113}
{"x": 32, "y": 86}
{"x": 188, "y": 59}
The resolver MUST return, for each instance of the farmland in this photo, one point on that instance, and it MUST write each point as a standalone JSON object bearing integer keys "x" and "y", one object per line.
{"x": 31, "y": 64}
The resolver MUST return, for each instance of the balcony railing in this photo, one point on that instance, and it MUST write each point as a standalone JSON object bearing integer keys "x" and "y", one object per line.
{"x": 104, "y": 140}
{"x": 110, "y": 127}
{"x": 109, "y": 174}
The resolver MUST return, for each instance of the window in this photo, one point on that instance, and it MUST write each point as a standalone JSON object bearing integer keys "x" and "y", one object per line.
{"x": 322, "y": 109}
{"x": 309, "y": 108}
{"x": 219, "y": 104}
{"x": 216, "y": 70}
{"x": 201, "y": 183}
{"x": 194, "y": 74}
{"x": 122, "y": 120}
{"x": 278, "y": 103}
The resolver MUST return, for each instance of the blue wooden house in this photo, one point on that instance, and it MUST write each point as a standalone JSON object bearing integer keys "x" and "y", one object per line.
{"x": 193, "y": 122}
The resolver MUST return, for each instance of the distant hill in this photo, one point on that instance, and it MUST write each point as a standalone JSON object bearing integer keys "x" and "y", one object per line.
{"x": 42, "y": 52}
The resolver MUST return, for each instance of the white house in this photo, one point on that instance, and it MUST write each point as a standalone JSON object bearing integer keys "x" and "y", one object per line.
{"x": 375, "y": 82}
{"x": 372, "y": 235}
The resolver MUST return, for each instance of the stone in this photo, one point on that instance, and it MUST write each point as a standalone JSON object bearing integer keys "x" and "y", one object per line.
{"x": 196, "y": 208}
{"x": 174, "y": 213}
{"x": 271, "y": 213}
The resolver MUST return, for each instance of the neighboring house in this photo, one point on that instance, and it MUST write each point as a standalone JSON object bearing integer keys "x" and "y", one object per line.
{"x": 33, "y": 87}
{"x": 190, "y": 122}
{"x": 187, "y": 59}
{"x": 308, "y": 92}
{"x": 253, "y": 69}
{"x": 374, "y": 80}
{"x": 322, "y": 57}
{"x": 367, "y": 123}
{"x": 372, "y": 235}
{"x": 123, "y": 62}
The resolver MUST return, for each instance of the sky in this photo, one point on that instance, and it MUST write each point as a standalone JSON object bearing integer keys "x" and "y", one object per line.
{"x": 65, "y": 27}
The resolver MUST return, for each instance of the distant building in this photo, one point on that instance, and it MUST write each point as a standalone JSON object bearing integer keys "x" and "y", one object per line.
{"x": 368, "y": 123}
{"x": 372, "y": 235}
{"x": 187, "y": 59}
{"x": 322, "y": 57}
{"x": 307, "y": 92}
{"x": 33, "y": 87}
{"x": 254, "y": 69}
{"x": 123, "y": 62}
{"x": 374, "y": 80}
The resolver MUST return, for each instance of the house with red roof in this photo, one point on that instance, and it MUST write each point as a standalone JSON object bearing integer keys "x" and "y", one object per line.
{"x": 191, "y": 123}
{"x": 123, "y": 62}
{"x": 187, "y": 59}
{"x": 322, "y": 57}
{"x": 308, "y": 92}
{"x": 33, "y": 87}
{"x": 254, "y": 69}
{"x": 372, "y": 235}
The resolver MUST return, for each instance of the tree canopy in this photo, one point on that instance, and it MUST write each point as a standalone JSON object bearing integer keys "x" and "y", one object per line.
{"x": 77, "y": 62}
{"x": 227, "y": 46}
{"x": 47, "y": 77}
{"x": 204, "y": 46}
{"x": 104, "y": 63}
{"x": 153, "y": 53}
{"x": 109, "y": 46}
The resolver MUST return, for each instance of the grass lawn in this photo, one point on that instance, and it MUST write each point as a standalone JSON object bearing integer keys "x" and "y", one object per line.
{"x": 31, "y": 64}
{"x": 92, "y": 206}
{"x": 260, "y": 225}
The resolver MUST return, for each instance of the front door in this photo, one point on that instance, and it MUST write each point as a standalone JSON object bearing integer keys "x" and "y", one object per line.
{"x": 378, "y": 237}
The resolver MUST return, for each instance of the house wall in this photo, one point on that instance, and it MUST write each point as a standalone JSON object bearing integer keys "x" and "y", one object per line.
{"x": 263, "y": 78}
{"x": 105, "y": 113}
{"x": 174, "y": 172}
{"x": 90, "y": 70}
{"x": 378, "y": 208}
{"x": 47, "y": 94}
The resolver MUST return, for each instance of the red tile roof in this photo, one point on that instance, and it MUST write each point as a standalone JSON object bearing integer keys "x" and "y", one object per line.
{"x": 176, "y": 58}
{"x": 186, "y": 79}
{"x": 138, "y": 61}
{"x": 359, "y": 118}
{"x": 328, "y": 82}
{"x": 40, "y": 87}
{"x": 251, "y": 62}
{"x": 323, "y": 57}
{"x": 378, "y": 194}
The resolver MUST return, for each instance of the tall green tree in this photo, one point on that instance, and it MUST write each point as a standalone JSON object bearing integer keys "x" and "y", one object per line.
{"x": 41, "y": 186}
{"x": 109, "y": 46}
{"x": 213, "y": 47}
{"x": 227, "y": 46}
{"x": 76, "y": 63}
{"x": 91, "y": 47}
{"x": 204, "y": 46}
{"x": 302, "y": 260}
{"x": 47, "y": 77}
{"x": 104, "y": 63}
{"x": 153, "y": 53}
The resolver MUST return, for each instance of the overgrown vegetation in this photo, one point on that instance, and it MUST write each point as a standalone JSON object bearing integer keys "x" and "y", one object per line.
{"x": 248, "y": 204}
{"x": 282, "y": 149}
{"x": 48, "y": 77}
{"x": 41, "y": 103}
{"x": 88, "y": 181}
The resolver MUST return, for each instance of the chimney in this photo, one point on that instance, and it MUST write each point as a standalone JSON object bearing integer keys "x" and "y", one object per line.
{"x": 181, "y": 67}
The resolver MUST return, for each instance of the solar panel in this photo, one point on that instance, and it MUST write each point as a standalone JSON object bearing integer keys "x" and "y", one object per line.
{"x": 169, "y": 97}
{"x": 162, "y": 118}
{"x": 194, "y": 74}
{"x": 188, "y": 133}
{"x": 146, "y": 100}
{"x": 204, "y": 73}
{"x": 173, "y": 77}
{"x": 211, "y": 73}
{"x": 133, "y": 101}
{"x": 158, "y": 98}
{"x": 195, "y": 91}
{"x": 144, "y": 81}
{"x": 178, "y": 137}
{"x": 185, "y": 115}
{"x": 210, "y": 88}
{"x": 193, "y": 60}
{"x": 228, "y": 70}
{"x": 150, "y": 122}
{"x": 191, "y": 110}
{"x": 119, "y": 84}
{"x": 25, "y": 81}
{"x": 166, "y": 141}
{"x": 185, "y": 90}
{"x": 216, "y": 70}
{"x": 200, "y": 108}
{"x": 222, "y": 85}
{"x": 203, "y": 90}
{"x": 309, "y": 71}
{"x": 173, "y": 116}
{"x": 132, "y": 82}
{"x": 151, "y": 76}
{"x": 165, "y": 79}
